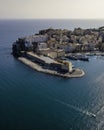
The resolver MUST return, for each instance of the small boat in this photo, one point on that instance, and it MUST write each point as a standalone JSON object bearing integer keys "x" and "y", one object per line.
{"x": 82, "y": 57}
{"x": 72, "y": 57}
{"x": 91, "y": 114}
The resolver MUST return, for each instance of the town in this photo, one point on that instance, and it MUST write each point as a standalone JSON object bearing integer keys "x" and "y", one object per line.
{"x": 47, "y": 51}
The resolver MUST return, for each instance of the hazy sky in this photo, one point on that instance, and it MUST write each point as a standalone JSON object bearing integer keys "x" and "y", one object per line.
{"x": 52, "y": 9}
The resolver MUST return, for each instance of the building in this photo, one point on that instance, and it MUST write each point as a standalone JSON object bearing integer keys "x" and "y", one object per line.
{"x": 68, "y": 47}
{"x": 41, "y": 46}
{"x": 56, "y": 53}
{"x": 67, "y": 66}
{"x": 28, "y": 46}
{"x": 48, "y": 63}
{"x": 36, "y": 42}
{"x": 36, "y": 39}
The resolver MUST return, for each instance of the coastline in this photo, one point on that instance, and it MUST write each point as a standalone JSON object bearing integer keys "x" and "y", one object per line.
{"x": 76, "y": 74}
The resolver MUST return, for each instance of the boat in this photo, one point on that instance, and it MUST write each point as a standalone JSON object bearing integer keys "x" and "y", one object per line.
{"x": 78, "y": 57}
{"x": 82, "y": 57}
{"x": 72, "y": 57}
{"x": 91, "y": 114}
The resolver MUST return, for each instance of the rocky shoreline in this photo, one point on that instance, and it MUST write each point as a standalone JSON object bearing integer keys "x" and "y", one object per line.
{"x": 77, "y": 73}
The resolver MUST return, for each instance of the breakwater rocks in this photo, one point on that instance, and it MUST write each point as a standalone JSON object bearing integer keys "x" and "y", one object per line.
{"x": 75, "y": 73}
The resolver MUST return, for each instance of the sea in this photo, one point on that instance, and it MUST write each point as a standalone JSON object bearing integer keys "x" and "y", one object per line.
{"x": 30, "y": 100}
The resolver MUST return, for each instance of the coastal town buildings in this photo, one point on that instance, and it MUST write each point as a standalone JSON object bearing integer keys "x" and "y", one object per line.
{"x": 49, "y": 48}
{"x": 36, "y": 38}
{"x": 54, "y": 42}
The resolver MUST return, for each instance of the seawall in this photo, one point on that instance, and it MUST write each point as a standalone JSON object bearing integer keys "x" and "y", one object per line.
{"x": 75, "y": 74}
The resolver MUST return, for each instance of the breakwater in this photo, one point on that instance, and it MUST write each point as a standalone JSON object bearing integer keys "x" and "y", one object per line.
{"x": 75, "y": 74}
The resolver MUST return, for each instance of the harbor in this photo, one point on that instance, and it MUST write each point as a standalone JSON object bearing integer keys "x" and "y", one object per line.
{"x": 78, "y": 57}
{"x": 51, "y": 50}
{"x": 83, "y": 56}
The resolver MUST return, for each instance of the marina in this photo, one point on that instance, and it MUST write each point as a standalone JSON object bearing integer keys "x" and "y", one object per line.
{"x": 78, "y": 57}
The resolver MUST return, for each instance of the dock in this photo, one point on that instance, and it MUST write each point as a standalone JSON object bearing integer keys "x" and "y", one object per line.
{"x": 75, "y": 73}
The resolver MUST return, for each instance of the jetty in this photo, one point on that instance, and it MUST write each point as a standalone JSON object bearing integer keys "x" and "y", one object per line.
{"x": 76, "y": 73}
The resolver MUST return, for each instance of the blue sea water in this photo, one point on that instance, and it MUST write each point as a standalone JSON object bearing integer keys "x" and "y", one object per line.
{"x": 30, "y": 100}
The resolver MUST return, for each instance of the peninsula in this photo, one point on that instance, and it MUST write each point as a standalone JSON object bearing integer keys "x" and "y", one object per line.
{"x": 48, "y": 50}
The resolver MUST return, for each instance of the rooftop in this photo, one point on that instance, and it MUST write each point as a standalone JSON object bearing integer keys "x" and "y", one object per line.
{"x": 41, "y": 57}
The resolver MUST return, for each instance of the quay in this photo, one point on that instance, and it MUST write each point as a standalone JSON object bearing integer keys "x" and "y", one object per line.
{"x": 75, "y": 74}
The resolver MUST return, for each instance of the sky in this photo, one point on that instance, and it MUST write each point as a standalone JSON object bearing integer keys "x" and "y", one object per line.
{"x": 54, "y": 9}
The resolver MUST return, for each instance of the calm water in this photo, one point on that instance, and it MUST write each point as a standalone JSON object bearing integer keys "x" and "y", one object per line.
{"x": 35, "y": 101}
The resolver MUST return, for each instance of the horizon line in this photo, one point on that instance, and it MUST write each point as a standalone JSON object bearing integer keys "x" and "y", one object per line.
{"x": 51, "y": 18}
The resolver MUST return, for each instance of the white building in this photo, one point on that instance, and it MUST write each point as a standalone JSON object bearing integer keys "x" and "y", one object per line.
{"x": 36, "y": 38}
{"x": 42, "y": 46}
